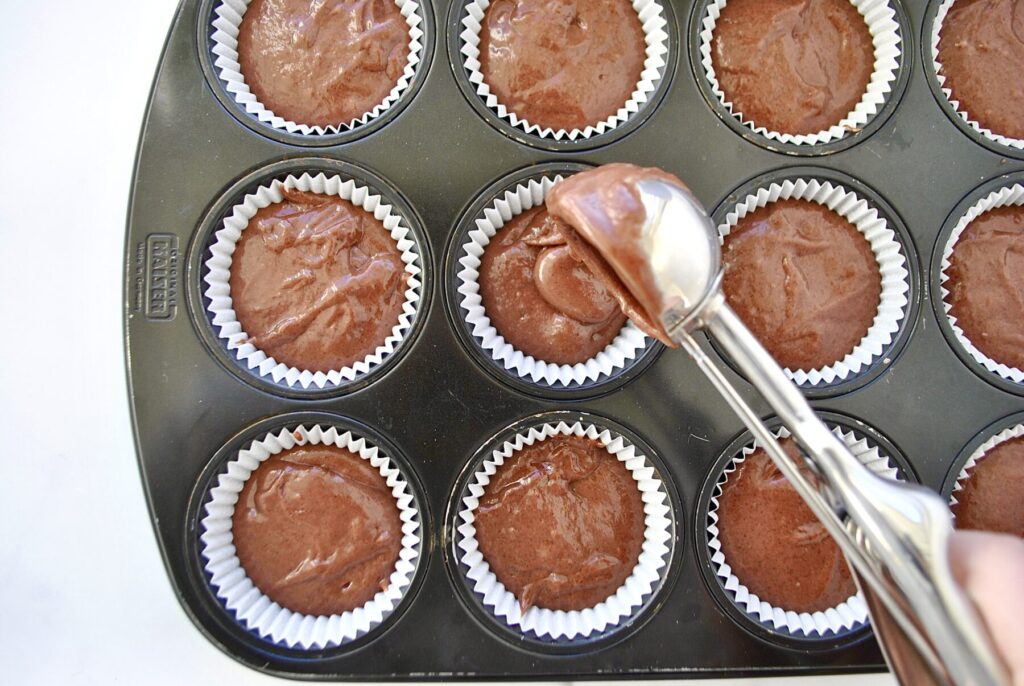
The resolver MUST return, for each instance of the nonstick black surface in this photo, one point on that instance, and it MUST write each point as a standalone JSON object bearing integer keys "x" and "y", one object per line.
{"x": 436, "y": 405}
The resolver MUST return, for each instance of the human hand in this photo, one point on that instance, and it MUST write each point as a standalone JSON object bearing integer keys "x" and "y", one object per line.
{"x": 990, "y": 569}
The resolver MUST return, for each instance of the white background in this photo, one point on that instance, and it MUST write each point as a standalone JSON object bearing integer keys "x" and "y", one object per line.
{"x": 84, "y": 598}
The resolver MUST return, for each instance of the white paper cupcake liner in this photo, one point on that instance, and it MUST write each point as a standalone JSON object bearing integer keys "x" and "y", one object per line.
{"x": 218, "y": 290}
{"x": 229, "y": 15}
{"x": 940, "y": 17}
{"x": 1004, "y": 197}
{"x": 892, "y": 267}
{"x": 886, "y": 40}
{"x": 256, "y": 611}
{"x": 965, "y": 472}
{"x": 625, "y": 347}
{"x": 848, "y": 615}
{"x": 560, "y": 624}
{"x": 654, "y": 24}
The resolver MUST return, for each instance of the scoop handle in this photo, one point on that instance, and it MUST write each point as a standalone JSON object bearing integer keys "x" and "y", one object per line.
{"x": 894, "y": 535}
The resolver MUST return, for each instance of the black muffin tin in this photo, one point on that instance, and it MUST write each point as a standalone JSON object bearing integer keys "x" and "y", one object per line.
{"x": 435, "y": 404}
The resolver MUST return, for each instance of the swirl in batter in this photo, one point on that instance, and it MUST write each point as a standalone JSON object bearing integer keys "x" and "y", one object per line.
{"x": 317, "y": 529}
{"x": 561, "y": 524}
{"x": 804, "y": 280}
{"x": 322, "y": 62}
{"x": 792, "y": 66}
{"x": 316, "y": 282}
{"x": 986, "y": 291}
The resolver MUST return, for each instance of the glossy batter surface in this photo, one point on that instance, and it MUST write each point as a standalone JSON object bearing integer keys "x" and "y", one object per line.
{"x": 562, "y": 64}
{"x": 561, "y": 524}
{"x": 804, "y": 280}
{"x": 604, "y": 222}
{"x": 981, "y": 50}
{"x": 542, "y": 299}
{"x": 986, "y": 284}
{"x": 317, "y": 530}
{"x": 792, "y": 66}
{"x": 316, "y": 282}
{"x": 992, "y": 498}
{"x": 322, "y": 62}
{"x": 774, "y": 544}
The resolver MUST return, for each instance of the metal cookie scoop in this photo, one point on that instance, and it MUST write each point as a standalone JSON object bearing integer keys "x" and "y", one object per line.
{"x": 659, "y": 241}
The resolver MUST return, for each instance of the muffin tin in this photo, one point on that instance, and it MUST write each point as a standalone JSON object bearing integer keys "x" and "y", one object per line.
{"x": 435, "y": 403}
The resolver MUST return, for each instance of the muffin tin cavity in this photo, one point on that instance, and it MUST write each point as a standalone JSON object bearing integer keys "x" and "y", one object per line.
{"x": 218, "y": 33}
{"x": 820, "y": 630}
{"x": 624, "y": 357}
{"x": 253, "y": 615}
{"x": 563, "y": 631}
{"x": 1009, "y": 428}
{"x": 1005, "y": 191}
{"x": 211, "y": 267}
{"x": 935, "y": 15}
{"x": 890, "y": 33}
{"x": 657, "y": 20}
{"x": 892, "y": 249}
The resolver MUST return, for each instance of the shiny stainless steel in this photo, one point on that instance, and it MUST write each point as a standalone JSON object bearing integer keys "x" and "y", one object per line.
{"x": 895, "y": 535}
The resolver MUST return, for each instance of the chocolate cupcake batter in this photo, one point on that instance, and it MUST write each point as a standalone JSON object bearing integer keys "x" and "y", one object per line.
{"x": 792, "y": 66}
{"x": 562, "y": 64}
{"x": 322, "y": 62}
{"x": 561, "y": 524}
{"x": 981, "y": 50}
{"x": 316, "y": 282}
{"x": 772, "y": 541}
{"x": 986, "y": 291}
{"x": 603, "y": 222}
{"x": 541, "y": 298}
{"x": 804, "y": 280}
{"x": 317, "y": 529}
{"x": 992, "y": 498}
